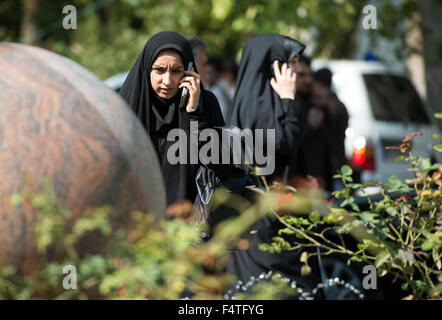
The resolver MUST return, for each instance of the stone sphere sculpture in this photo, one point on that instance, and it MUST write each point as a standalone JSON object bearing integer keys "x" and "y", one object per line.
{"x": 59, "y": 122}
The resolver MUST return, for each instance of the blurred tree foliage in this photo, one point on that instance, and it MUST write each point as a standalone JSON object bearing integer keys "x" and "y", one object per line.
{"x": 111, "y": 33}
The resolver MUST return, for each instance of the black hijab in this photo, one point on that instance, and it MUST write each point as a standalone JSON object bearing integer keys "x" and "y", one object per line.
{"x": 161, "y": 115}
{"x": 255, "y": 98}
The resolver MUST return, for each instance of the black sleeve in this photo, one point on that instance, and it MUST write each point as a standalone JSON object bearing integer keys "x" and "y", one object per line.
{"x": 286, "y": 120}
{"x": 288, "y": 127}
{"x": 212, "y": 110}
{"x": 208, "y": 114}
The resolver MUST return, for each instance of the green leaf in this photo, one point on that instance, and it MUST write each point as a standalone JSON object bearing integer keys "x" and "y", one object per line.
{"x": 370, "y": 217}
{"x": 391, "y": 211}
{"x": 425, "y": 164}
{"x": 438, "y": 115}
{"x": 404, "y": 286}
{"x": 381, "y": 258}
{"x": 348, "y": 201}
{"x": 355, "y": 207}
{"x": 346, "y": 170}
{"x": 354, "y": 258}
{"x": 400, "y": 158}
{"x": 314, "y": 216}
{"x": 396, "y": 185}
{"x": 382, "y": 272}
{"x": 421, "y": 285}
{"x": 304, "y": 257}
{"x": 438, "y": 147}
{"x": 427, "y": 245}
{"x": 354, "y": 185}
{"x": 286, "y": 231}
{"x": 346, "y": 227}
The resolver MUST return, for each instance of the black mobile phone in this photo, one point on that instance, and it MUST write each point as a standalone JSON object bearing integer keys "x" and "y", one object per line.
{"x": 185, "y": 93}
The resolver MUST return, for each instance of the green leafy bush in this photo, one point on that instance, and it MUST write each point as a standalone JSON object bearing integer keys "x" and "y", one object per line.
{"x": 147, "y": 259}
{"x": 400, "y": 233}
{"x": 167, "y": 259}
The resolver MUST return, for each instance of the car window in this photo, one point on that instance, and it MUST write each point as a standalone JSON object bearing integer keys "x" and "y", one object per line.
{"x": 393, "y": 98}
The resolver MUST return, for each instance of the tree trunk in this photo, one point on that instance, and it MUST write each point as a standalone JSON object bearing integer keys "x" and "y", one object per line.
{"x": 28, "y": 28}
{"x": 431, "y": 11}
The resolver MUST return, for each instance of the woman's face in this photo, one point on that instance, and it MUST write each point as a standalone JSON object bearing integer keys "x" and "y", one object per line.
{"x": 167, "y": 70}
{"x": 320, "y": 94}
{"x": 294, "y": 64}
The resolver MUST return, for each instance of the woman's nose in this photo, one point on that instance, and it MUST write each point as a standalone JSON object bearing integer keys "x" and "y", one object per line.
{"x": 167, "y": 79}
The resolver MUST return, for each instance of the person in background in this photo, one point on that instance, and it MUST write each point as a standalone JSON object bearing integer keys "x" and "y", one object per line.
{"x": 265, "y": 94}
{"x": 229, "y": 73}
{"x": 312, "y": 160}
{"x": 220, "y": 87}
{"x": 301, "y": 174}
{"x": 304, "y": 80}
{"x": 265, "y": 99}
{"x": 335, "y": 122}
{"x": 199, "y": 49}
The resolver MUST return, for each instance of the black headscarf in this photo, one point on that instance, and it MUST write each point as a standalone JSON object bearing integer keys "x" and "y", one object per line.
{"x": 161, "y": 115}
{"x": 254, "y": 96}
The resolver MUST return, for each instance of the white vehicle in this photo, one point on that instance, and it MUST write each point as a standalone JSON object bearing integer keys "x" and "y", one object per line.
{"x": 384, "y": 107}
{"x": 116, "y": 82}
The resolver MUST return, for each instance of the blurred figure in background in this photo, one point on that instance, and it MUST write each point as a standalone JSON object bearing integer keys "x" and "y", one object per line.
{"x": 335, "y": 122}
{"x": 228, "y": 76}
{"x": 312, "y": 160}
{"x": 304, "y": 80}
{"x": 199, "y": 49}
{"x": 221, "y": 82}
{"x": 213, "y": 69}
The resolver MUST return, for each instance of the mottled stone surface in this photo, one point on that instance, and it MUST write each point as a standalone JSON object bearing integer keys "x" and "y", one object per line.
{"x": 59, "y": 121}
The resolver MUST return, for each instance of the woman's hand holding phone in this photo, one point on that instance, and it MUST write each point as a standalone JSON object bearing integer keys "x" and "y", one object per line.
{"x": 192, "y": 82}
{"x": 284, "y": 81}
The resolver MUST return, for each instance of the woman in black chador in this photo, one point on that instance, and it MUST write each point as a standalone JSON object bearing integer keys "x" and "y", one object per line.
{"x": 265, "y": 99}
{"x": 153, "y": 91}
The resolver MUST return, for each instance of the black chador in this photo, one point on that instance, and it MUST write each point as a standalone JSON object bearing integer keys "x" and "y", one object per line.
{"x": 257, "y": 106}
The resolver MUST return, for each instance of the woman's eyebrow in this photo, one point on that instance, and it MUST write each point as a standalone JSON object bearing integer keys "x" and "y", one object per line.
{"x": 165, "y": 67}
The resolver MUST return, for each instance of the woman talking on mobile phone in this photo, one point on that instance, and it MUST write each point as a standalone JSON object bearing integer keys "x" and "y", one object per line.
{"x": 265, "y": 99}
{"x": 153, "y": 90}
